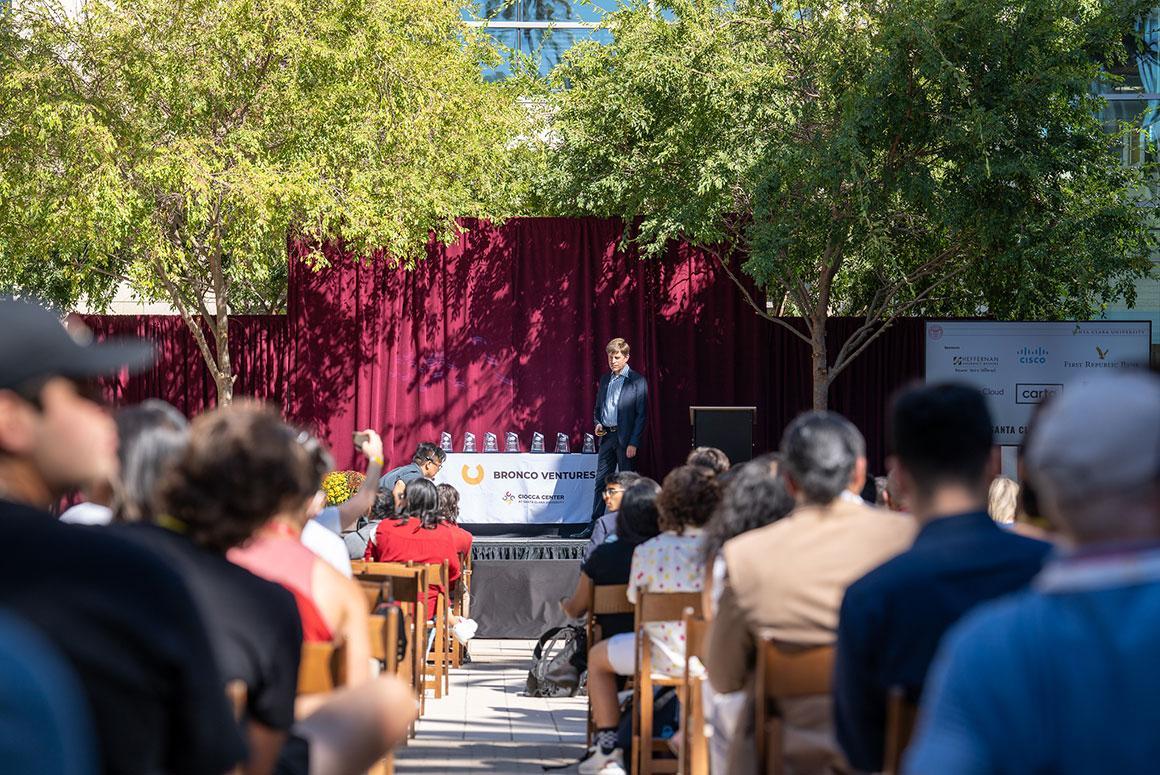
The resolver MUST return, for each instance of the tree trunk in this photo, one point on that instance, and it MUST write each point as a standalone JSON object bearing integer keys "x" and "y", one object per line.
{"x": 223, "y": 371}
{"x": 821, "y": 367}
{"x": 225, "y": 388}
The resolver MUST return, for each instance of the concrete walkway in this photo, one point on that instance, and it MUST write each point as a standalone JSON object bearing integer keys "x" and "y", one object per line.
{"x": 486, "y": 724}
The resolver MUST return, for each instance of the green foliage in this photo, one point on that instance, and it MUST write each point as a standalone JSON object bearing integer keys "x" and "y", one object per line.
{"x": 869, "y": 157}
{"x": 177, "y": 143}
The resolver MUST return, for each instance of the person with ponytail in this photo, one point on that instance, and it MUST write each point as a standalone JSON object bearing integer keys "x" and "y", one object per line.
{"x": 418, "y": 533}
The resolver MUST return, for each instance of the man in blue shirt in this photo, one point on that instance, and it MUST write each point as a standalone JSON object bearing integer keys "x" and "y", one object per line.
{"x": 1062, "y": 678}
{"x": 893, "y": 618}
{"x": 620, "y": 415}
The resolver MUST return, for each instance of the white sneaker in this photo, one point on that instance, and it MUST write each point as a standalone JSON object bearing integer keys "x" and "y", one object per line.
{"x": 464, "y": 630}
{"x": 598, "y": 763}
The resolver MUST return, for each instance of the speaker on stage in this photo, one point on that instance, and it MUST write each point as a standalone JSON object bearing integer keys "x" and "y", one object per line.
{"x": 728, "y": 428}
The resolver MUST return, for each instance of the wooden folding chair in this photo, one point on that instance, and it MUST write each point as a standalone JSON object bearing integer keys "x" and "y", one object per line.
{"x": 407, "y": 586}
{"x": 653, "y": 607}
{"x": 693, "y": 758}
{"x": 603, "y": 599}
{"x": 318, "y": 669}
{"x": 784, "y": 675}
{"x": 901, "y": 714}
{"x": 436, "y": 662}
{"x": 462, "y": 607}
{"x": 384, "y": 635}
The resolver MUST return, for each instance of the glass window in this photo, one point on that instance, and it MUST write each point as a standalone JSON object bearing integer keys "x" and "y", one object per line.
{"x": 508, "y": 39}
{"x": 549, "y": 45}
{"x": 565, "y": 10}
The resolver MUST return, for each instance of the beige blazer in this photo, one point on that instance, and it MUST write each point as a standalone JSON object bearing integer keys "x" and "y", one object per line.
{"x": 785, "y": 581}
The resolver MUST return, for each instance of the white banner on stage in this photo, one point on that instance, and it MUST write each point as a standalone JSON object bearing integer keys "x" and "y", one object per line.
{"x": 528, "y": 488}
{"x": 1016, "y": 365}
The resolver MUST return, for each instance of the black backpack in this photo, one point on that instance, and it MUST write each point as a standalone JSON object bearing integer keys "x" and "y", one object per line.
{"x": 558, "y": 662}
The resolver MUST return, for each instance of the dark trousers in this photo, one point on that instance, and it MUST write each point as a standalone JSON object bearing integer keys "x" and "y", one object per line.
{"x": 612, "y": 458}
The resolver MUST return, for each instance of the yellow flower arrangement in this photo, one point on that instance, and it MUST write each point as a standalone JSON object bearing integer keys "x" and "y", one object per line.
{"x": 339, "y": 486}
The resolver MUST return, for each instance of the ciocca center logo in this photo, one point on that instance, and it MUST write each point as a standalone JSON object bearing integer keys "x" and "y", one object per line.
{"x": 472, "y": 477}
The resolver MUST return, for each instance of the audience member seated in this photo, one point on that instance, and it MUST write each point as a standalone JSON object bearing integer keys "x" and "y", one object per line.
{"x": 888, "y": 495}
{"x": 121, "y": 618}
{"x": 1003, "y": 500}
{"x": 425, "y": 463}
{"x": 611, "y": 562}
{"x": 253, "y": 623}
{"x": 105, "y": 500}
{"x": 418, "y": 534}
{"x": 1062, "y": 677}
{"x": 605, "y": 525}
{"x": 670, "y": 562}
{"x": 449, "y": 514}
{"x": 893, "y": 618}
{"x": 1029, "y": 517}
{"x": 755, "y": 496}
{"x": 275, "y": 551}
{"x": 785, "y": 581}
{"x": 709, "y": 457}
{"x": 44, "y": 723}
{"x": 345, "y": 516}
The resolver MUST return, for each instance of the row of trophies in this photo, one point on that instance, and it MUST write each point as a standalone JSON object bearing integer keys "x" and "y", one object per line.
{"x": 511, "y": 443}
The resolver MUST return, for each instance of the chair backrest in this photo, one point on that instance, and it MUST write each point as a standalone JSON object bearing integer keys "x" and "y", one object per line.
{"x": 664, "y": 606}
{"x": 901, "y": 715}
{"x": 404, "y": 583}
{"x": 611, "y": 599}
{"x": 784, "y": 674}
{"x": 317, "y": 668}
{"x": 605, "y": 599}
{"x": 377, "y": 630}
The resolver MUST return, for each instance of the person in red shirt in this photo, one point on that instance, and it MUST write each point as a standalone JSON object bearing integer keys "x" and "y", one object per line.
{"x": 449, "y": 513}
{"x": 418, "y": 534}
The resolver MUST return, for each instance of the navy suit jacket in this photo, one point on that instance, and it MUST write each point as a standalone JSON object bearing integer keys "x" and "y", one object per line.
{"x": 631, "y": 410}
{"x": 893, "y": 618}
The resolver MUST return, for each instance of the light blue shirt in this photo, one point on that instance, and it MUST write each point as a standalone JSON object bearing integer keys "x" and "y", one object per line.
{"x": 1060, "y": 679}
{"x": 612, "y": 398}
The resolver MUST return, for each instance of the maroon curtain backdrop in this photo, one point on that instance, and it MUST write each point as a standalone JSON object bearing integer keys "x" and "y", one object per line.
{"x": 505, "y": 330}
{"x": 257, "y": 350}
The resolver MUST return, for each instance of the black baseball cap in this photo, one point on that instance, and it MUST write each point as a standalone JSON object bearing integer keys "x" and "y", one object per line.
{"x": 34, "y": 344}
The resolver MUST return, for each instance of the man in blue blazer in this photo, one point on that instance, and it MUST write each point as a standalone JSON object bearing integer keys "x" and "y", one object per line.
{"x": 620, "y": 416}
{"x": 893, "y": 618}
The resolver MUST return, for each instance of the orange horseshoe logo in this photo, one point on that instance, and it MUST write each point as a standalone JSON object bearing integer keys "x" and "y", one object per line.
{"x": 477, "y": 478}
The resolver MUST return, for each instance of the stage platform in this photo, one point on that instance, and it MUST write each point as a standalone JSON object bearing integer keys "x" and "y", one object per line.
{"x": 517, "y": 583}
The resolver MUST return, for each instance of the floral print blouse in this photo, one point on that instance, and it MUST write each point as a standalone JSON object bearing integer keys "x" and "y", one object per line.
{"x": 668, "y": 563}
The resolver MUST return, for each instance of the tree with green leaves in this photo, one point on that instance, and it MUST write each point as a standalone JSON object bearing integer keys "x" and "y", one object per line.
{"x": 866, "y": 158}
{"x": 176, "y": 146}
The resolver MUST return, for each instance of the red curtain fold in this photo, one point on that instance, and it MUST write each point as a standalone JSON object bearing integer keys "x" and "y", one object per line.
{"x": 504, "y": 329}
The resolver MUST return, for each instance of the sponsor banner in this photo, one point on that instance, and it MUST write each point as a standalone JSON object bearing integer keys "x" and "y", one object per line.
{"x": 527, "y": 488}
{"x": 1017, "y": 365}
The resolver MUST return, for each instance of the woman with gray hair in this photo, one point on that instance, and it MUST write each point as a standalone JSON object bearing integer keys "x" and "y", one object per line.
{"x": 151, "y": 436}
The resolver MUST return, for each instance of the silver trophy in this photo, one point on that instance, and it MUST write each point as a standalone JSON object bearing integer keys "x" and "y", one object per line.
{"x": 469, "y": 442}
{"x": 490, "y": 443}
{"x": 445, "y": 442}
{"x": 563, "y": 445}
{"x": 511, "y": 442}
{"x": 537, "y": 442}
{"x": 589, "y": 444}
